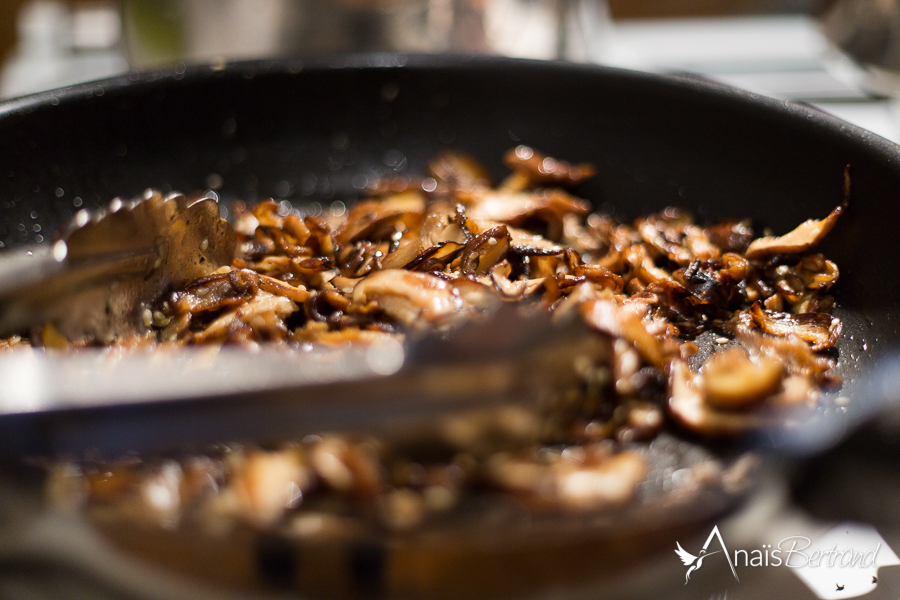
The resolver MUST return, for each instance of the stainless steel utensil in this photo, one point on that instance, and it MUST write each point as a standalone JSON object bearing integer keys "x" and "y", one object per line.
{"x": 62, "y": 402}
{"x": 101, "y": 278}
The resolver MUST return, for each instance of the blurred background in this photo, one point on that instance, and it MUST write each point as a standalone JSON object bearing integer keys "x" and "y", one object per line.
{"x": 839, "y": 55}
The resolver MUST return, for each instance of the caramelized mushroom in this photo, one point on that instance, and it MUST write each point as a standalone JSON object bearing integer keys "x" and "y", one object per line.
{"x": 688, "y": 406}
{"x": 379, "y": 219}
{"x": 549, "y": 206}
{"x": 623, "y": 322}
{"x": 408, "y": 297}
{"x": 420, "y": 254}
{"x": 484, "y": 251}
{"x": 820, "y": 330}
{"x": 733, "y": 381}
{"x": 531, "y": 167}
{"x": 807, "y": 235}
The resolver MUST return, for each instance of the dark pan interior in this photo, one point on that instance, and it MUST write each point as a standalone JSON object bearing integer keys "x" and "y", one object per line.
{"x": 314, "y": 131}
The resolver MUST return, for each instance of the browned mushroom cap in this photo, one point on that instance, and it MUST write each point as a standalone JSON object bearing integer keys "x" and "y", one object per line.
{"x": 623, "y": 321}
{"x": 733, "y": 381}
{"x": 507, "y": 288}
{"x": 795, "y": 354}
{"x": 819, "y": 329}
{"x": 379, "y": 219}
{"x": 807, "y": 235}
{"x": 484, "y": 251}
{"x": 533, "y": 168}
{"x": 436, "y": 258}
{"x": 516, "y": 208}
{"x": 216, "y": 291}
{"x": 442, "y": 234}
{"x": 688, "y": 406}
{"x": 444, "y": 222}
{"x": 408, "y": 296}
{"x": 673, "y": 234}
{"x": 261, "y": 317}
{"x": 817, "y": 272}
{"x": 526, "y": 243}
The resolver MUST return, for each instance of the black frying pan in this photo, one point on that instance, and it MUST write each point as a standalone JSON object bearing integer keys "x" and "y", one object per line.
{"x": 315, "y": 131}
{"x": 312, "y": 131}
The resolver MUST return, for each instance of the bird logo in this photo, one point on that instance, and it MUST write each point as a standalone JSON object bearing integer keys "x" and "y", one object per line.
{"x": 695, "y": 562}
{"x": 688, "y": 559}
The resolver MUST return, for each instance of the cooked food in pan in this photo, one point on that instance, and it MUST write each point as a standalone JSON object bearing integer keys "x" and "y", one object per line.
{"x": 704, "y": 330}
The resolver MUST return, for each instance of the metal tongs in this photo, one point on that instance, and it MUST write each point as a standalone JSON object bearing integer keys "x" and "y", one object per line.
{"x": 111, "y": 265}
{"x": 54, "y": 403}
{"x": 100, "y": 280}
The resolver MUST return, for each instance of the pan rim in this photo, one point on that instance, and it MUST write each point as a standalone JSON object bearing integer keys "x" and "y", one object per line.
{"x": 182, "y": 74}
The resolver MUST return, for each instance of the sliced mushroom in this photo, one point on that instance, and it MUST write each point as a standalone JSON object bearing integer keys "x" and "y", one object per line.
{"x": 379, "y": 219}
{"x": 643, "y": 266}
{"x": 807, "y": 235}
{"x": 443, "y": 232}
{"x": 798, "y": 391}
{"x": 262, "y": 317}
{"x": 409, "y": 247}
{"x": 484, "y": 251}
{"x": 408, "y": 296}
{"x": 608, "y": 317}
{"x": 533, "y": 168}
{"x": 511, "y": 290}
{"x": 795, "y": 354}
{"x": 610, "y": 483}
{"x": 673, "y": 234}
{"x": 321, "y": 333}
{"x": 313, "y": 272}
{"x": 476, "y": 295}
{"x": 436, "y": 258}
{"x": 820, "y": 330}
{"x": 733, "y": 381}
{"x": 817, "y": 272}
{"x": 277, "y": 287}
{"x": 516, "y": 208}
{"x": 532, "y": 244}
{"x": 216, "y": 291}
{"x": 688, "y": 406}
{"x": 601, "y": 277}
{"x": 347, "y": 467}
{"x": 709, "y": 283}
{"x": 445, "y": 222}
